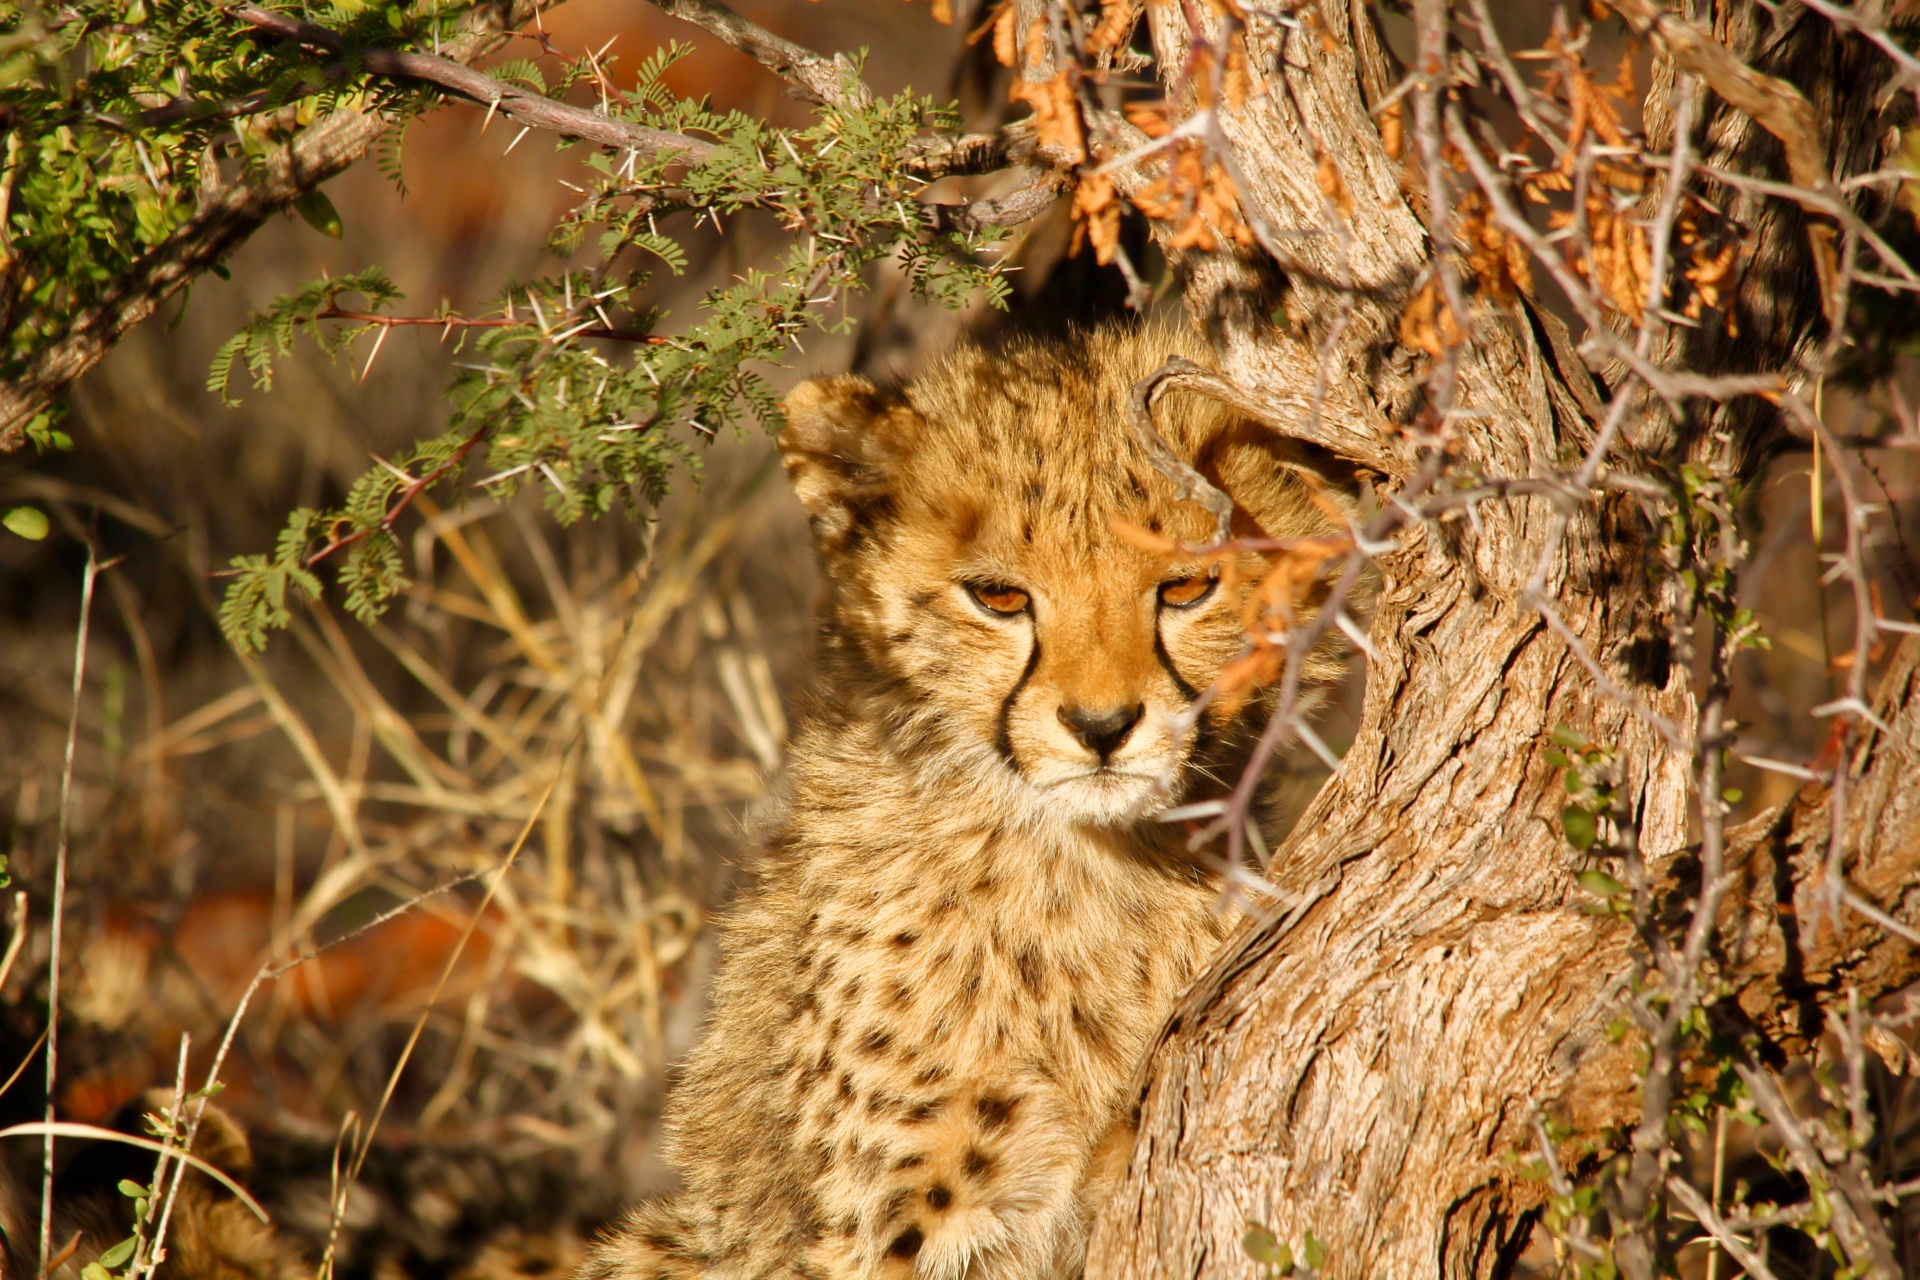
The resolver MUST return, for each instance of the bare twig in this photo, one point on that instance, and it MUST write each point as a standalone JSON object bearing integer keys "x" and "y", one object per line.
{"x": 88, "y": 577}
{"x": 1717, "y": 1228}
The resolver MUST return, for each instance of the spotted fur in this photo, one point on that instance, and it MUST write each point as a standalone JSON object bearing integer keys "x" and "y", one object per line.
{"x": 965, "y": 925}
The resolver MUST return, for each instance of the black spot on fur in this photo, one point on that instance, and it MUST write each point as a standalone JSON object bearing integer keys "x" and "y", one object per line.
{"x": 907, "y": 1243}
{"x": 1093, "y": 1029}
{"x": 939, "y": 1197}
{"x": 876, "y": 1041}
{"x": 934, "y": 1074}
{"x": 905, "y": 938}
{"x": 846, "y": 1086}
{"x": 921, "y": 1112}
{"x": 976, "y": 1163}
{"x": 995, "y": 1113}
{"x": 910, "y": 1161}
{"x": 901, "y": 996}
{"x": 923, "y": 599}
{"x": 1033, "y": 969}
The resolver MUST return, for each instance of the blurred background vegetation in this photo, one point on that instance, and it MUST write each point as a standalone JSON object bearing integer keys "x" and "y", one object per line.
{"x": 228, "y": 812}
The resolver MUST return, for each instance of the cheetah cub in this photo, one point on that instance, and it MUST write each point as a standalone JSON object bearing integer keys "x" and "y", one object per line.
{"x": 966, "y": 924}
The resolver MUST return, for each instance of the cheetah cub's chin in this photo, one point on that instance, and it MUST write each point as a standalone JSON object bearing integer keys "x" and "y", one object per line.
{"x": 965, "y": 926}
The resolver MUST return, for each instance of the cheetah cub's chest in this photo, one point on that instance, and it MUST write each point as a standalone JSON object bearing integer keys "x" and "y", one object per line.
{"x": 966, "y": 925}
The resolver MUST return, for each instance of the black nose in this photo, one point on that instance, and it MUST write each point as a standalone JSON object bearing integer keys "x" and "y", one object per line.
{"x": 1101, "y": 732}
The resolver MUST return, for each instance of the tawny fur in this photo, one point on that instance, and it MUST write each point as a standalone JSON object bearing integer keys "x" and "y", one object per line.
{"x": 965, "y": 926}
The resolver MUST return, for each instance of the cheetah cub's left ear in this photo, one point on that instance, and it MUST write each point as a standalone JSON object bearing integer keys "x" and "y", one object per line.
{"x": 842, "y": 437}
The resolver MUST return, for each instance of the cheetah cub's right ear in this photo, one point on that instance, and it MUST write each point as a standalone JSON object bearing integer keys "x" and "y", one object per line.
{"x": 842, "y": 439}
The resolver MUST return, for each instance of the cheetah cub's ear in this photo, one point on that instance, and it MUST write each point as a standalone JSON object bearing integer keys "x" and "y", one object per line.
{"x": 842, "y": 437}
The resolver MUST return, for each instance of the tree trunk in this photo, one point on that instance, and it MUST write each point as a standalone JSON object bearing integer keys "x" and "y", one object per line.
{"x": 1369, "y": 1066}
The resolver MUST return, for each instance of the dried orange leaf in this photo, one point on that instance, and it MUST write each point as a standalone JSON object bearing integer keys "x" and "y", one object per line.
{"x": 1116, "y": 24}
{"x": 1095, "y": 207}
{"x": 1056, "y": 115}
{"x": 1393, "y": 129}
{"x": 1151, "y": 118}
{"x": 1003, "y": 27}
{"x": 1327, "y": 176}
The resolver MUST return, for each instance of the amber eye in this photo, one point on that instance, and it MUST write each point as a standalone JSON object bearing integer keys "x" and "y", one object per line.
{"x": 997, "y": 597}
{"x": 1184, "y": 593}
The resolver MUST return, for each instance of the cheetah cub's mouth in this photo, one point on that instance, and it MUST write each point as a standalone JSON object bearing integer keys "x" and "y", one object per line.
{"x": 984, "y": 605}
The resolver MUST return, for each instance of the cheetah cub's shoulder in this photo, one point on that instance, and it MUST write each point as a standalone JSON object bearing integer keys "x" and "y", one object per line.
{"x": 965, "y": 926}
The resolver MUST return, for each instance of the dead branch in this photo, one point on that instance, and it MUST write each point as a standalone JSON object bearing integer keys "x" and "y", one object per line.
{"x": 833, "y": 81}
{"x": 451, "y": 77}
{"x": 1776, "y": 106}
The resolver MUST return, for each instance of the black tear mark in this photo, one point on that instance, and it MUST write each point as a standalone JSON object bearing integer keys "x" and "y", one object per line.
{"x": 1187, "y": 691}
{"x": 1002, "y": 739}
{"x": 907, "y": 1243}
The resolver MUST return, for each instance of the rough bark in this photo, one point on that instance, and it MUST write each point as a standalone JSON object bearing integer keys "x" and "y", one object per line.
{"x": 1368, "y": 1067}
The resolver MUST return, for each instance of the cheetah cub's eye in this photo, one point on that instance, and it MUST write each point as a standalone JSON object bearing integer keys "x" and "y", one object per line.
{"x": 997, "y": 597}
{"x": 1184, "y": 593}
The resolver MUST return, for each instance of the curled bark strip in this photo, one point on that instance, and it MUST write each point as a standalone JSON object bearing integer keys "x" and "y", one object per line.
{"x": 1292, "y": 419}
{"x": 1188, "y": 483}
{"x": 1778, "y": 107}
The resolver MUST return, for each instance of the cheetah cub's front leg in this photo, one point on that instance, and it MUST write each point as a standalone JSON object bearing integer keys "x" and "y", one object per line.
{"x": 997, "y": 1187}
{"x": 965, "y": 926}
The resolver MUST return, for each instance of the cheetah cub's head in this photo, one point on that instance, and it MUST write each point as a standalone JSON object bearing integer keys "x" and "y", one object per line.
{"x": 984, "y": 608}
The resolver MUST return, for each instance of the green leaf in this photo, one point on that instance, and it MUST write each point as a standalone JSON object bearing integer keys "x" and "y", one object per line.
{"x": 1599, "y": 882}
{"x": 1582, "y": 826}
{"x": 1314, "y": 1251}
{"x": 131, "y": 1189}
{"x": 118, "y": 1254}
{"x": 1260, "y": 1245}
{"x": 319, "y": 213}
{"x": 94, "y": 1271}
{"x": 29, "y": 522}
{"x": 1571, "y": 739}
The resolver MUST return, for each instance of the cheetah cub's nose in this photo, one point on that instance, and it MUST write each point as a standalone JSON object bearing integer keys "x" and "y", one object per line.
{"x": 1101, "y": 732}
